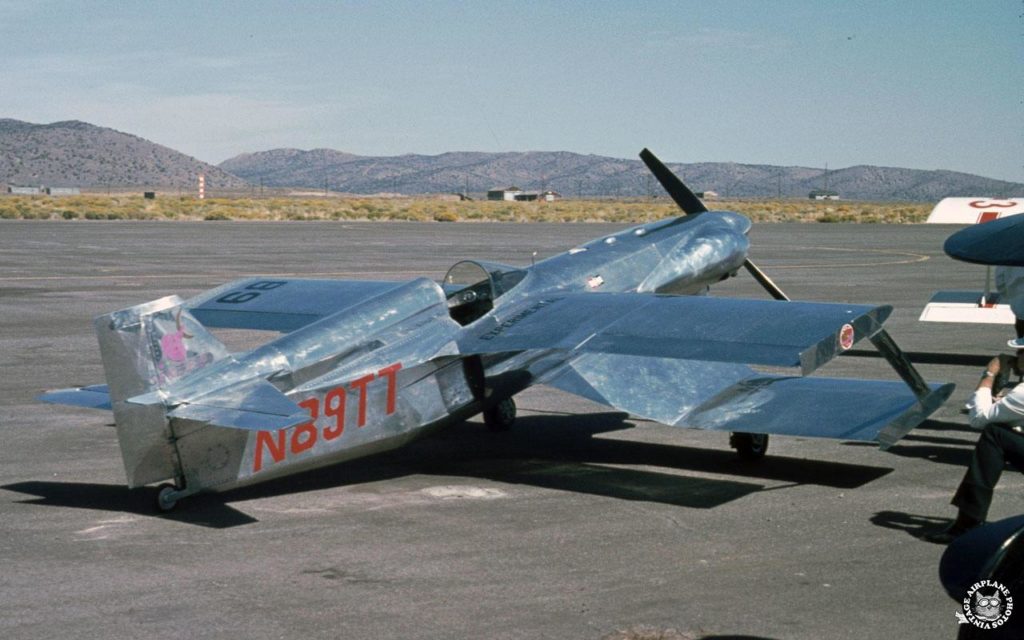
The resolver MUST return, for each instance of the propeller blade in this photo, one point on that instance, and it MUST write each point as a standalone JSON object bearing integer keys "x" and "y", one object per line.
{"x": 765, "y": 281}
{"x": 692, "y": 205}
{"x": 679, "y": 192}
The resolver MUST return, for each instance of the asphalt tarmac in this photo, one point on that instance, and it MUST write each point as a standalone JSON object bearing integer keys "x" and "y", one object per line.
{"x": 579, "y": 523}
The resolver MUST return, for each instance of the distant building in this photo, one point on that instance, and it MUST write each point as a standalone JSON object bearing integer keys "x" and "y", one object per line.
{"x": 707, "y": 195}
{"x": 63, "y": 191}
{"x": 822, "y": 194}
{"x": 508, "y": 193}
{"x": 24, "y": 191}
{"x": 550, "y": 196}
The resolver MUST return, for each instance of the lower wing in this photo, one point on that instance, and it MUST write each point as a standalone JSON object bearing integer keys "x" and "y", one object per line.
{"x": 730, "y": 397}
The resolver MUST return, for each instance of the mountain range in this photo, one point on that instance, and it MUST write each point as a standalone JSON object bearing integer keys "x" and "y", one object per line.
{"x": 75, "y": 153}
{"x": 79, "y": 154}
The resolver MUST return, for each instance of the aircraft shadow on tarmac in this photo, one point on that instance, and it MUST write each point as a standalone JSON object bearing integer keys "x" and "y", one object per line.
{"x": 940, "y": 449}
{"x": 108, "y": 497}
{"x": 553, "y": 451}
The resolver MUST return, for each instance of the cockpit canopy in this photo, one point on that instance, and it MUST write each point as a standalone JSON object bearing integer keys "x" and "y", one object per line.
{"x": 473, "y": 286}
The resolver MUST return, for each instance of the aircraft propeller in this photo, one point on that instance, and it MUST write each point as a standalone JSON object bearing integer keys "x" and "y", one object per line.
{"x": 692, "y": 207}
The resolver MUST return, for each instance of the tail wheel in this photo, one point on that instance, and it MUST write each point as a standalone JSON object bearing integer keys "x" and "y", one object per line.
{"x": 749, "y": 446}
{"x": 501, "y": 416}
{"x": 167, "y": 498}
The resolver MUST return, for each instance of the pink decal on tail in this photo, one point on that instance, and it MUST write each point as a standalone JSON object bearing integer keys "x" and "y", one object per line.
{"x": 173, "y": 344}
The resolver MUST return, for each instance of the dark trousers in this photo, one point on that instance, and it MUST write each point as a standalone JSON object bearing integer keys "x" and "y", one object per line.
{"x": 997, "y": 445}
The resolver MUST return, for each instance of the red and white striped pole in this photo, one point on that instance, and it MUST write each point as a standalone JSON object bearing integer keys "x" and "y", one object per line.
{"x": 202, "y": 186}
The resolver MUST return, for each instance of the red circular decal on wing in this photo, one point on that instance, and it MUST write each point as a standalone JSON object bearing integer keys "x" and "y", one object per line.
{"x": 846, "y": 337}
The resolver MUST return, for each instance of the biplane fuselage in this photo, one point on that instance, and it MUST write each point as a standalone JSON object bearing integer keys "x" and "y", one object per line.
{"x": 365, "y": 366}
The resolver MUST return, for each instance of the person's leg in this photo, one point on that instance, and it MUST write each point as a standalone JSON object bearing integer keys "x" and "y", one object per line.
{"x": 996, "y": 444}
{"x": 973, "y": 497}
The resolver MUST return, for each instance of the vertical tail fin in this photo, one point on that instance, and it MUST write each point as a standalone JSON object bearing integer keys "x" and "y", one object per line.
{"x": 146, "y": 348}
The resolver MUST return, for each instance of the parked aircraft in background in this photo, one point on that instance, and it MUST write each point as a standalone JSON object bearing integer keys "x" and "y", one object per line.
{"x": 365, "y": 366}
{"x": 992, "y": 243}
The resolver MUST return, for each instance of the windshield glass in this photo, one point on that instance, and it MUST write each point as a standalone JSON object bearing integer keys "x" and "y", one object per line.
{"x": 487, "y": 278}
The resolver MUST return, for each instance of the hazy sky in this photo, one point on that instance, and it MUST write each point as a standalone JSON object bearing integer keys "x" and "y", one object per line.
{"x": 924, "y": 85}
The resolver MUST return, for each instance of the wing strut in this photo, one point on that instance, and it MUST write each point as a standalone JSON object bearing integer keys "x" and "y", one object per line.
{"x": 900, "y": 362}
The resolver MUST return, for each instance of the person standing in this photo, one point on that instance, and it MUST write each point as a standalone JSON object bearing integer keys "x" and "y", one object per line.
{"x": 1001, "y": 420}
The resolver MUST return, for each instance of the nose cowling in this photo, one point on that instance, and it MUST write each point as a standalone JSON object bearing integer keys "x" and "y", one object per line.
{"x": 713, "y": 249}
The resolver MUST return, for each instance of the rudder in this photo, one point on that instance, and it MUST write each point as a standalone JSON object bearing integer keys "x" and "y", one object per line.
{"x": 146, "y": 348}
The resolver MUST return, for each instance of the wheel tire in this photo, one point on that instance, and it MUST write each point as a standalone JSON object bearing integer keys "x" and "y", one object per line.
{"x": 501, "y": 416}
{"x": 165, "y": 500}
{"x": 749, "y": 446}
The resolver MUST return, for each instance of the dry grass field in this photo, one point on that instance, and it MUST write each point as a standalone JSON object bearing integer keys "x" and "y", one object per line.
{"x": 426, "y": 209}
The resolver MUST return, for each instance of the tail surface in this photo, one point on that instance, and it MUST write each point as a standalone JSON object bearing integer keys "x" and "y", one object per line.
{"x": 145, "y": 349}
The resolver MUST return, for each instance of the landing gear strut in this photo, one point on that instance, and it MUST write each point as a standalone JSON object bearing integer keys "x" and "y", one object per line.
{"x": 749, "y": 446}
{"x": 501, "y": 416}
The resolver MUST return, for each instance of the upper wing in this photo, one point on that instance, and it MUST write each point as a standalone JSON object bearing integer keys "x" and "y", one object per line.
{"x": 275, "y": 304}
{"x": 768, "y": 332}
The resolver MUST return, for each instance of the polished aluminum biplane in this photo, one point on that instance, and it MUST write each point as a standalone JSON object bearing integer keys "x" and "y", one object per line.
{"x": 365, "y": 366}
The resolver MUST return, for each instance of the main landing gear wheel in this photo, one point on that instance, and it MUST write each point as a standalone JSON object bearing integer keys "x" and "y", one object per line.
{"x": 501, "y": 416}
{"x": 749, "y": 446}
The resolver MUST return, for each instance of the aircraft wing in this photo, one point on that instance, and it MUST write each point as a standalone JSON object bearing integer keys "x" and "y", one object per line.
{"x": 683, "y": 361}
{"x": 974, "y": 210}
{"x": 998, "y": 242}
{"x": 731, "y": 397}
{"x": 280, "y": 304}
{"x": 766, "y": 332}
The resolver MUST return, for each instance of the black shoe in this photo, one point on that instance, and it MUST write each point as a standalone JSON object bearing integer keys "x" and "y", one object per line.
{"x": 960, "y": 526}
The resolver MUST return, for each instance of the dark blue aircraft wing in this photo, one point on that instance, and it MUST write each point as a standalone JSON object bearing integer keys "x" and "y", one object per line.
{"x": 1000, "y": 242}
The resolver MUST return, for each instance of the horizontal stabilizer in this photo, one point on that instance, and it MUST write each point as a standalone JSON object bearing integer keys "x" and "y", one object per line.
{"x": 280, "y": 304}
{"x": 765, "y": 332}
{"x": 96, "y": 396}
{"x": 255, "y": 404}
